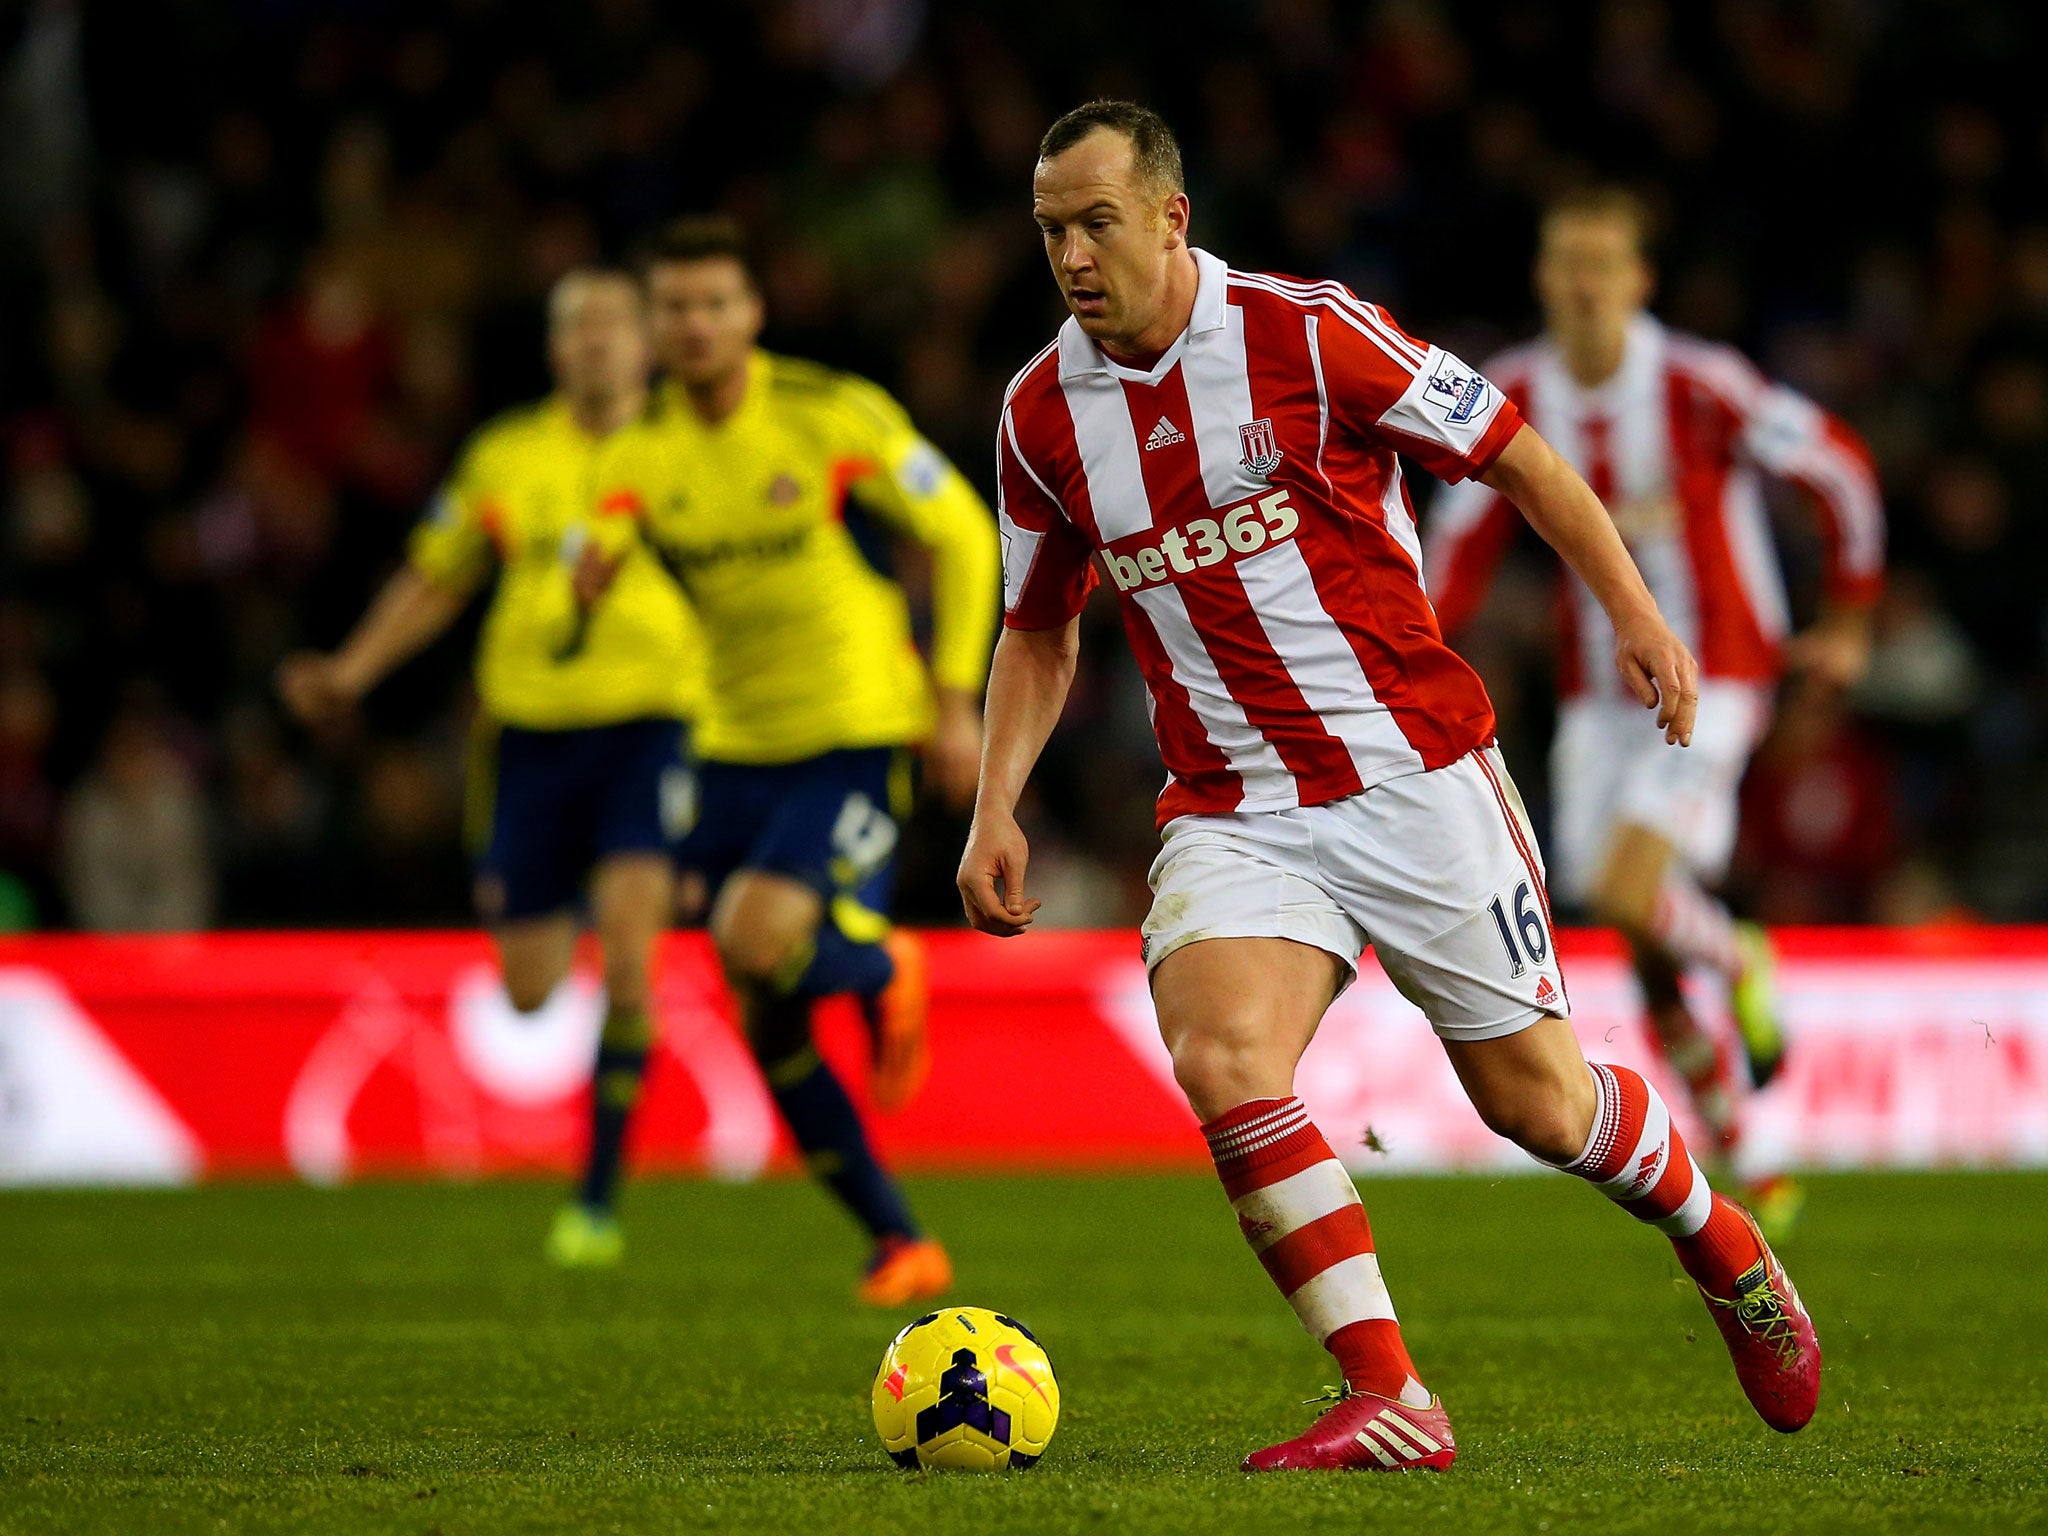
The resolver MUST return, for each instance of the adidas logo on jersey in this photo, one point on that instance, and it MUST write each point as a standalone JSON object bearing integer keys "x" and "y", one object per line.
{"x": 1165, "y": 435}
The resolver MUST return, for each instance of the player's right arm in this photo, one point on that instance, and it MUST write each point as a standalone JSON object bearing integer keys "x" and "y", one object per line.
{"x": 1047, "y": 576}
{"x": 1027, "y": 688}
{"x": 448, "y": 558}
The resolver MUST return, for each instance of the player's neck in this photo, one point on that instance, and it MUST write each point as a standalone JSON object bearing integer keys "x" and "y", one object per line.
{"x": 1183, "y": 279}
{"x": 601, "y": 415}
{"x": 715, "y": 399}
{"x": 1592, "y": 358}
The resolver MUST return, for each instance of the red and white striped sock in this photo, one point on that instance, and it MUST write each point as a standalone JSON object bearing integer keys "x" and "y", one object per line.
{"x": 1708, "y": 1068}
{"x": 1636, "y": 1157}
{"x": 1301, "y": 1213}
{"x": 1695, "y": 926}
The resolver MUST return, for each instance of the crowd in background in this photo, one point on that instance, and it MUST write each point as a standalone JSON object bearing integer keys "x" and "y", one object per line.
{"x": 263, "y": 265}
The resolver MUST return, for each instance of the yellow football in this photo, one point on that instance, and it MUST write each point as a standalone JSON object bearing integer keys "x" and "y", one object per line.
{"x": 967, "y": 1389}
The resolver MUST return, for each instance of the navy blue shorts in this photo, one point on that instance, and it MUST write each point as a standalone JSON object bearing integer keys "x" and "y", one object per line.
{"x": 547, "y": 806}
{"x": 830, "y": 821}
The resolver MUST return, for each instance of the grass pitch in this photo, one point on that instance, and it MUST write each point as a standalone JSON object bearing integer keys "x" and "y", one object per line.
{"x": 396, "y": 1358}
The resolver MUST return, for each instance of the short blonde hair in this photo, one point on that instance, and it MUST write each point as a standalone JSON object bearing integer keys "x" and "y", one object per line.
{"x": 580, "y": 280}
{"x": 1604, "y": 201}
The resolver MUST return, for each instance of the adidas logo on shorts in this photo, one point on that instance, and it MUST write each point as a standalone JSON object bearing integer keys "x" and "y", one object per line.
{"x": 1165, "y": 435}
{"x": 1546, "y": 994}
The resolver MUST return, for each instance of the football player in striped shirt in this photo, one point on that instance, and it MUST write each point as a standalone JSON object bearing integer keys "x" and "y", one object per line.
{"x": 773, "y": 488}
{"x": 579, "y": 751}
{"x": 1334, "y": 781}
{"x": 1676, "y": 436}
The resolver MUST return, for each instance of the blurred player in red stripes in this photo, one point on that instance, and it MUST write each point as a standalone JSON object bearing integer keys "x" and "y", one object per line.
{"x": 1675, "y": 435}
{"x": 1222, "y": 445}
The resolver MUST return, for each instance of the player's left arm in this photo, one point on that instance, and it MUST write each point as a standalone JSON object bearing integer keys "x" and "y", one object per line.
{"x": 1787, "y": 435}
{"x": 918, "y": 492}
{"x": 1560, "y": 506}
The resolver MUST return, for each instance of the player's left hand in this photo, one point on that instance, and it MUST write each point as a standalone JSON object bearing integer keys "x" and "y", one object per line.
{"x": 952, "y": 758}
{"x": 1661, "y": 672}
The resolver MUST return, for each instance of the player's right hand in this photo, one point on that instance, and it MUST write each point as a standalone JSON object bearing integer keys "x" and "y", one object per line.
{"x": 1659, "y": 670}
{"x": 1835, "y": 652}
{"x": 314, "y": 687}
{"x": 992, "y": 877}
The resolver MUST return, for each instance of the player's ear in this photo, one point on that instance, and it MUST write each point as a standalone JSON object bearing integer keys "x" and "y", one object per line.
{"x": 1173, "y": 215}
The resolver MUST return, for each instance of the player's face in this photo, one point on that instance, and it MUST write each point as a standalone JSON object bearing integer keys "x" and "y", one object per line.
{"x": 597, "y": 336}
{"x": 707, "y": 317}
{"x": 1110, "y": 239}
{"x": 1591, "y": 275}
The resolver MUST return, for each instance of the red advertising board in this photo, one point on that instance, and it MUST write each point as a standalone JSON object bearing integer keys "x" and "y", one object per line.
{"x": 135, "y": 1059}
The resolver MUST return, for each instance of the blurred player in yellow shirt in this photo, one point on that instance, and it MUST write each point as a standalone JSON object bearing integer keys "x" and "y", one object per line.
{"x": 579, "y": 773}
{"x": 767, "y": 485}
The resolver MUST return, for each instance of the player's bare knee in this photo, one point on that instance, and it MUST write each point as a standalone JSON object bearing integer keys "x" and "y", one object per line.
{"x": 1217, "y": 1071}
{"x": 627, "y": 949}
{"x": 1625, "y": 894}
{"x": 1552, "y": 1133}
{"x": 1538, "y": 1124}
{"x": 742, "y": 957}
{"x": 1622, "y": 905}
{"x": 752, "y": 957}
{"x": 625, "y": 980}
{"x": 1547, "y": 1117}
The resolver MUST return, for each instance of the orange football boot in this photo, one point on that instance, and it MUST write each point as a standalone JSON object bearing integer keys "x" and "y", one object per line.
{"x": 906, "y": 1270}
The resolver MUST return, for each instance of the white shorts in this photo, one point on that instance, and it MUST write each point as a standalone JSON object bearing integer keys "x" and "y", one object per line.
{"x": 1610, "y": 767}
{"x": 1437, "y": 871}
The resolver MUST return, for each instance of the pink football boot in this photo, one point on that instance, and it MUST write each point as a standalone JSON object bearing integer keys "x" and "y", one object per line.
{"x": 1365, "y": 1432}
{"x": 1771, "y": 1340}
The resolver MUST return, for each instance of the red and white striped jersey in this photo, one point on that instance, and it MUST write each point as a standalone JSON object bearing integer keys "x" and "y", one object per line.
{"x": 1243, "y": 497}
{"x": 1675, "y": 443}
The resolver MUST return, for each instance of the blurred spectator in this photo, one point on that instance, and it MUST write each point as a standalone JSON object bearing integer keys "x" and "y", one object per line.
{"x": 134, "y": 851}
{"x": 321, "y": 371}
{"x": 271, "y": 823}
{"x": 28, "y": 801}
{"x": 1818, "y": 831}
{"x": 1923, "y": 669}
{"x": 408, "y": 828}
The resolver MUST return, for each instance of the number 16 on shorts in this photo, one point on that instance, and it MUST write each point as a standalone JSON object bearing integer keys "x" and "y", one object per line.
{"x": 1519, "y": 920}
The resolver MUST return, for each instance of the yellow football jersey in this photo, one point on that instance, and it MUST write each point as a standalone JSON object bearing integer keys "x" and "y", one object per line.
{"x": 523, "y": 497}
{"x": 809, "y": 645}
